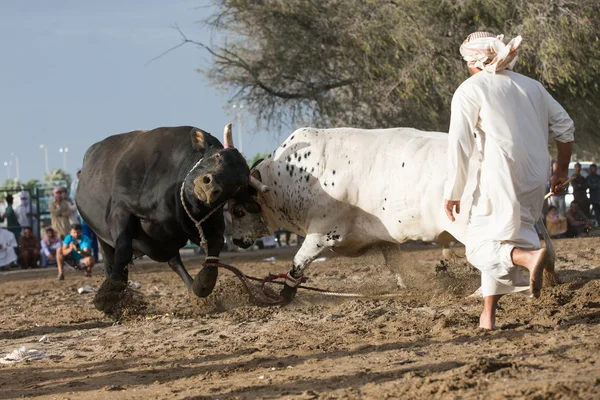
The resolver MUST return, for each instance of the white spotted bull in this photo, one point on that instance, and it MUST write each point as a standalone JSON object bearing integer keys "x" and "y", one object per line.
{"x": 349, "y": 189}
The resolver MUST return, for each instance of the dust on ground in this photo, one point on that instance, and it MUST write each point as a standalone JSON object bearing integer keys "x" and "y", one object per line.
{"x": 421, "y": 345}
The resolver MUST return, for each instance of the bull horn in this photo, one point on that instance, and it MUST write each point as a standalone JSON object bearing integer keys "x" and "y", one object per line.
{"x": 258, "y": 185}
{"x": 228, "y": 137}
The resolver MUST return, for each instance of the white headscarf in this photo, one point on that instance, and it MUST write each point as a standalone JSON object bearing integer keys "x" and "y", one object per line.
{"x": 488, "y": 52}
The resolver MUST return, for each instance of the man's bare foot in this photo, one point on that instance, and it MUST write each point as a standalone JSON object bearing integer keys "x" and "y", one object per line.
{"x": 536, "y": 272}
{"x": 487, "y": 322}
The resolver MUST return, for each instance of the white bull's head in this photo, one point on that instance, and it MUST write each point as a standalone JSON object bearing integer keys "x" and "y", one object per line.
{"x": 247, "y": 215}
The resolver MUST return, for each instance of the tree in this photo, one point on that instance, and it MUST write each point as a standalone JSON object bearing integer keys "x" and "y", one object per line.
{"x": 30, "y": 184}
{"x": 384, "y": 63}
{"x": 257, "y": 157}
{"x": 58, "y": 175}
{"x": 11, "y": 184}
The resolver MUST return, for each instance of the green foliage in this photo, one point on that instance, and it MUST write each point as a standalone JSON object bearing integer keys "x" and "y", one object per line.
{"x": 29, "y": 185}
{"x": 384, "y": 63}
{"x": 58, "y": 175}
{"x": 11, "y": 184}
{"x": 257, "y": 157}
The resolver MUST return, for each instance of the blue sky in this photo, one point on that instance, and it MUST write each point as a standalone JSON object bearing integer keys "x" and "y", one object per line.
{"x": 73, "y": 72}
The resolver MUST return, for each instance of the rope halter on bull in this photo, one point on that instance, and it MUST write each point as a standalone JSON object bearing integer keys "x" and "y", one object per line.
{"x": 255, "y": 183}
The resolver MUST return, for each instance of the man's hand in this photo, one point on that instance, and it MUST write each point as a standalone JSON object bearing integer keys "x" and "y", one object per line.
{"x": 51, "y": 256}
{"x": 557, "y": 181}
{"x": 449, "y": 206}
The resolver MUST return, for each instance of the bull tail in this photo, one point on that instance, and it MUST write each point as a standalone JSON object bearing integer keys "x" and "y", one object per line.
{"x": 550, "y": 277}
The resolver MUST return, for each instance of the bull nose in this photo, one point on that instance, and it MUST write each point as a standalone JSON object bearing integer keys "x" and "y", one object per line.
{"x": 207, "y": 179}
{"x": 214, "y": 194}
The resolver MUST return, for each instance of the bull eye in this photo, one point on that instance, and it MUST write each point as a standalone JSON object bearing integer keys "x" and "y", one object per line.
{"x": 237, "y": 213}
{"x": 206, "y": 180}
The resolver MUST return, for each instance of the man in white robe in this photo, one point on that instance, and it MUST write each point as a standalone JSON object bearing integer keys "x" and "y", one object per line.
{"x": 507, "y": 118}
{"x": 27, "y": 213}
{"x": 8, "y": 243}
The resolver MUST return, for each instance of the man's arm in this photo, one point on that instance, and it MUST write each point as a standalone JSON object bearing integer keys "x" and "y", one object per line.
{"x": 562, "y": 130}
{"x": 67, "y": 247}
{"x": 461, "y": 141}
{"x": 45, "y": 248}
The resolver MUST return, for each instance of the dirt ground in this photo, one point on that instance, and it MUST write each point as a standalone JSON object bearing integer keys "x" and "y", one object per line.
{"x": 422, "y": 345}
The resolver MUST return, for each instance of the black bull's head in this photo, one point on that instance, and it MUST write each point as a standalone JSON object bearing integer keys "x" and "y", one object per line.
{"x": 222, "y": 172}
{"x": 247, "y": 215}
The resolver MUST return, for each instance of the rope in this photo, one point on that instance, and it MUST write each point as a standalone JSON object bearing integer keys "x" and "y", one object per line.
{"x": 277, "y": 299}
{"x": 203, "y": 241}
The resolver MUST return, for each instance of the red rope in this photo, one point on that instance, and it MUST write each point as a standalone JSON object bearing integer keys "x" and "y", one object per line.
{"x": 277, "y": 299}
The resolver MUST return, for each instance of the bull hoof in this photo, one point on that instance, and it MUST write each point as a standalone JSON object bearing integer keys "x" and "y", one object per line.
{"x": 288, "y": 293}
{"x": 205, "y": 281}
{"x": 108, "y": 297}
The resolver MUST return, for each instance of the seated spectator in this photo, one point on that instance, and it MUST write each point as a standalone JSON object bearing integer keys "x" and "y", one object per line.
{"x": 8, "y": 243}
{"x": 556, "y": 224}
{"x": 29, "y": 249}
{"x": 76, "y": 251}
{"x": 578, "y": 224}
{"x": 50, "y": 243}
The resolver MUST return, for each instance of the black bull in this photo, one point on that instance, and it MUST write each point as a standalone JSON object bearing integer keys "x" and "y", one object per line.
{"x": 129, "y": 194}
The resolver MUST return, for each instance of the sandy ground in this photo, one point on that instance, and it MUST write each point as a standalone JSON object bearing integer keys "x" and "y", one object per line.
{"x": 423, "y": 345}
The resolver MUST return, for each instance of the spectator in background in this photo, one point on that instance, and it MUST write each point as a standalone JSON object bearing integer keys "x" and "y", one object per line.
{"x": 593, "y": 183}
{"x": 87, "y": 231}
{"x": 556, "y": 224}
{"x": 27, "y": 213}
{"x": 74, "y": 187}
{"x": 580, "y": 191}
{"x": 278, "y": 233}
{"x": 50, "y": 244}
{"x": 8, "y": 243}
{"x": 12, "y": 222}
{"x": 76, "y": 250}
{"x": 61, "y": 211}
{"x": 29, "y": 249}
{"x": 578, "y": 223}
{"x": 558, "y": 200}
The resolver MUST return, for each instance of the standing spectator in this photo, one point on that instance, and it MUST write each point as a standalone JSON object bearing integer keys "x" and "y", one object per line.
{"x": 12, "y": 222}
{"x": 7, "y": 249}
{"x": 556, "y": 224}
{"x": 278, "y": 233}
{"x": 593, "y": 182}
{"x": 580, "y": 191}
{"x": 578, "y": 222}
{"x": 50, "y": 244}
{"x": 60, "y": 213}
{"x": 558, "y": 200}
{"x": 29, "y": 249}
{"x": 76, "y": 250}
{"x": 27, "y": 213}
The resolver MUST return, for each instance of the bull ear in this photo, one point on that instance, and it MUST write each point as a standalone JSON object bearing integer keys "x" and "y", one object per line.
{"x": 256, "y": 173}
{"x": 199, "y": 139}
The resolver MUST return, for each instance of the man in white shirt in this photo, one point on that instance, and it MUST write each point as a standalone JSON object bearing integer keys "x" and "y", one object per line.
{"x": 506, "y": 118}
{"x": 27, "y": 213}
{"x": 8, "y": 243}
